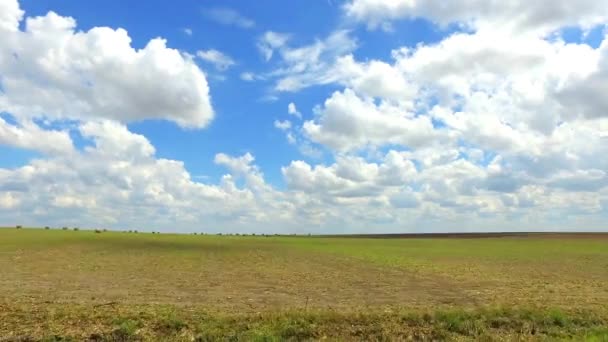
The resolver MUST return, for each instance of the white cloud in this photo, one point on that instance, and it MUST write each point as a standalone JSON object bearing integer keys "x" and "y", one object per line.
{"x": 539, "y": 17}
{"x": 118, "y": 182}
{"x": 307, "y": 65}
{"x": 220, "y": 60}
{"x": 282, "y": 125}
{"x": 50, "y": 70}
{"x": 10, "y": 15}
{"x": 187, "y": 31}
{"x": 528, "y": 103}
{"x": 348, "y": 122}
{"x": 269, "y": 42}
{"x": 292, "y": 110}
{"x": 312, "y": 64}
{"x": 29, "y": 135}
{"x": 248, "y": 76}
{"x": 374, "y": 78}
{"x": 229, "y": 17}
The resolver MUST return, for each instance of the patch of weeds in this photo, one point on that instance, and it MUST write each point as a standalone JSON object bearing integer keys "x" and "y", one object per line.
{"x": 19, "y": 339}
{"x": 220, "y": 329}
{"x": 461, "y": 322}
{"x": 57, "y": 338}
{"x": 501, "y": 322}
{"x": 558, "y": 318}
{"x": 169, "y": 325}
{"x": 597, "y": 335}
{"x": 294, "y": 328}
{"x": 126, "y": 330}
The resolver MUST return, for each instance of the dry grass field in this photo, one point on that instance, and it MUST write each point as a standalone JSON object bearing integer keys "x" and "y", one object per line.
{"x": 113, "y": 286}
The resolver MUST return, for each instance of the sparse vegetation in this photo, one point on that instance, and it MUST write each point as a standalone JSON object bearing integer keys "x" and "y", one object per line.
{"x": 122, "y": 287}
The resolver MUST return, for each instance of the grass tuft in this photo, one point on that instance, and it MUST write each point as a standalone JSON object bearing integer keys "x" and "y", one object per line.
{"x": 170, "y": 325}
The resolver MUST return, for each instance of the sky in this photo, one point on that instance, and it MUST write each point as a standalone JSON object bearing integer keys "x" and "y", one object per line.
{"x": 312, "y": 116}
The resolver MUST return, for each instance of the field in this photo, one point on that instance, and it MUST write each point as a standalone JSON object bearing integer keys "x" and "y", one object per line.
{"x": 114, "y": 286}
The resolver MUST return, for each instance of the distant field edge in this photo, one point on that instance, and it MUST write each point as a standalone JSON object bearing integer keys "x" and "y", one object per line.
{"x": 150, "y": 323}
{"x": 475, "y": 235}
{"x": 422, "y": 235}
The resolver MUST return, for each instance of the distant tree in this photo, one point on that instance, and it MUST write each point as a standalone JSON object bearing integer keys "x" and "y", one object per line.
{"x": 19, "y": 227}
{"x": 76, "y": 229}
{"x": 97, "y": 231}
{"x": 47, "y": 227}
{"x": 64, "y": 228}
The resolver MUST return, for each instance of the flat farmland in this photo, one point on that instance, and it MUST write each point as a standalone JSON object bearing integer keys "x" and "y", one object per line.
{"x": 115, "y": 286}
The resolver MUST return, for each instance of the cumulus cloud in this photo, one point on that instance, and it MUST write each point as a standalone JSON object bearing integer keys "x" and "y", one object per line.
{"x": 10, "y": 15}
{"x": 220, "y": 60}
{"x": 539, "y": 17}
{"x": 118, "y": 181}
{"x": 499, "y": 121}
{"x": 348, "y": 122}
{"x": 51, "y": 70}
{"x": 29, "y": 135}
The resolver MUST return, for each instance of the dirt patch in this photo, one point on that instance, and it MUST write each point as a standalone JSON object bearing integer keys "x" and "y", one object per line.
{"x": 234, "y": 281}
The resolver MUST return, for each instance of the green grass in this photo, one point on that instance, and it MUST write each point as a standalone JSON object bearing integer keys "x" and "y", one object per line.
{"x": 62, "y": 284}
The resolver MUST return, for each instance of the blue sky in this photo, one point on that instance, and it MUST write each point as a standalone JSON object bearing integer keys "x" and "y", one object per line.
{"x": 411, "y": 116}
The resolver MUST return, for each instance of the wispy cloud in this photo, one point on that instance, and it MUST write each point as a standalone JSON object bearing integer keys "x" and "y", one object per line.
{"x": 248, "y": 76}
{"x": 292, "y": 110}
{"x": 220, "y": 60}
{"x": 270, "y": 41}
{"x": 187, "y": 31}
{"x": 229, "y": 17}
{"x": 307, "y": 65}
